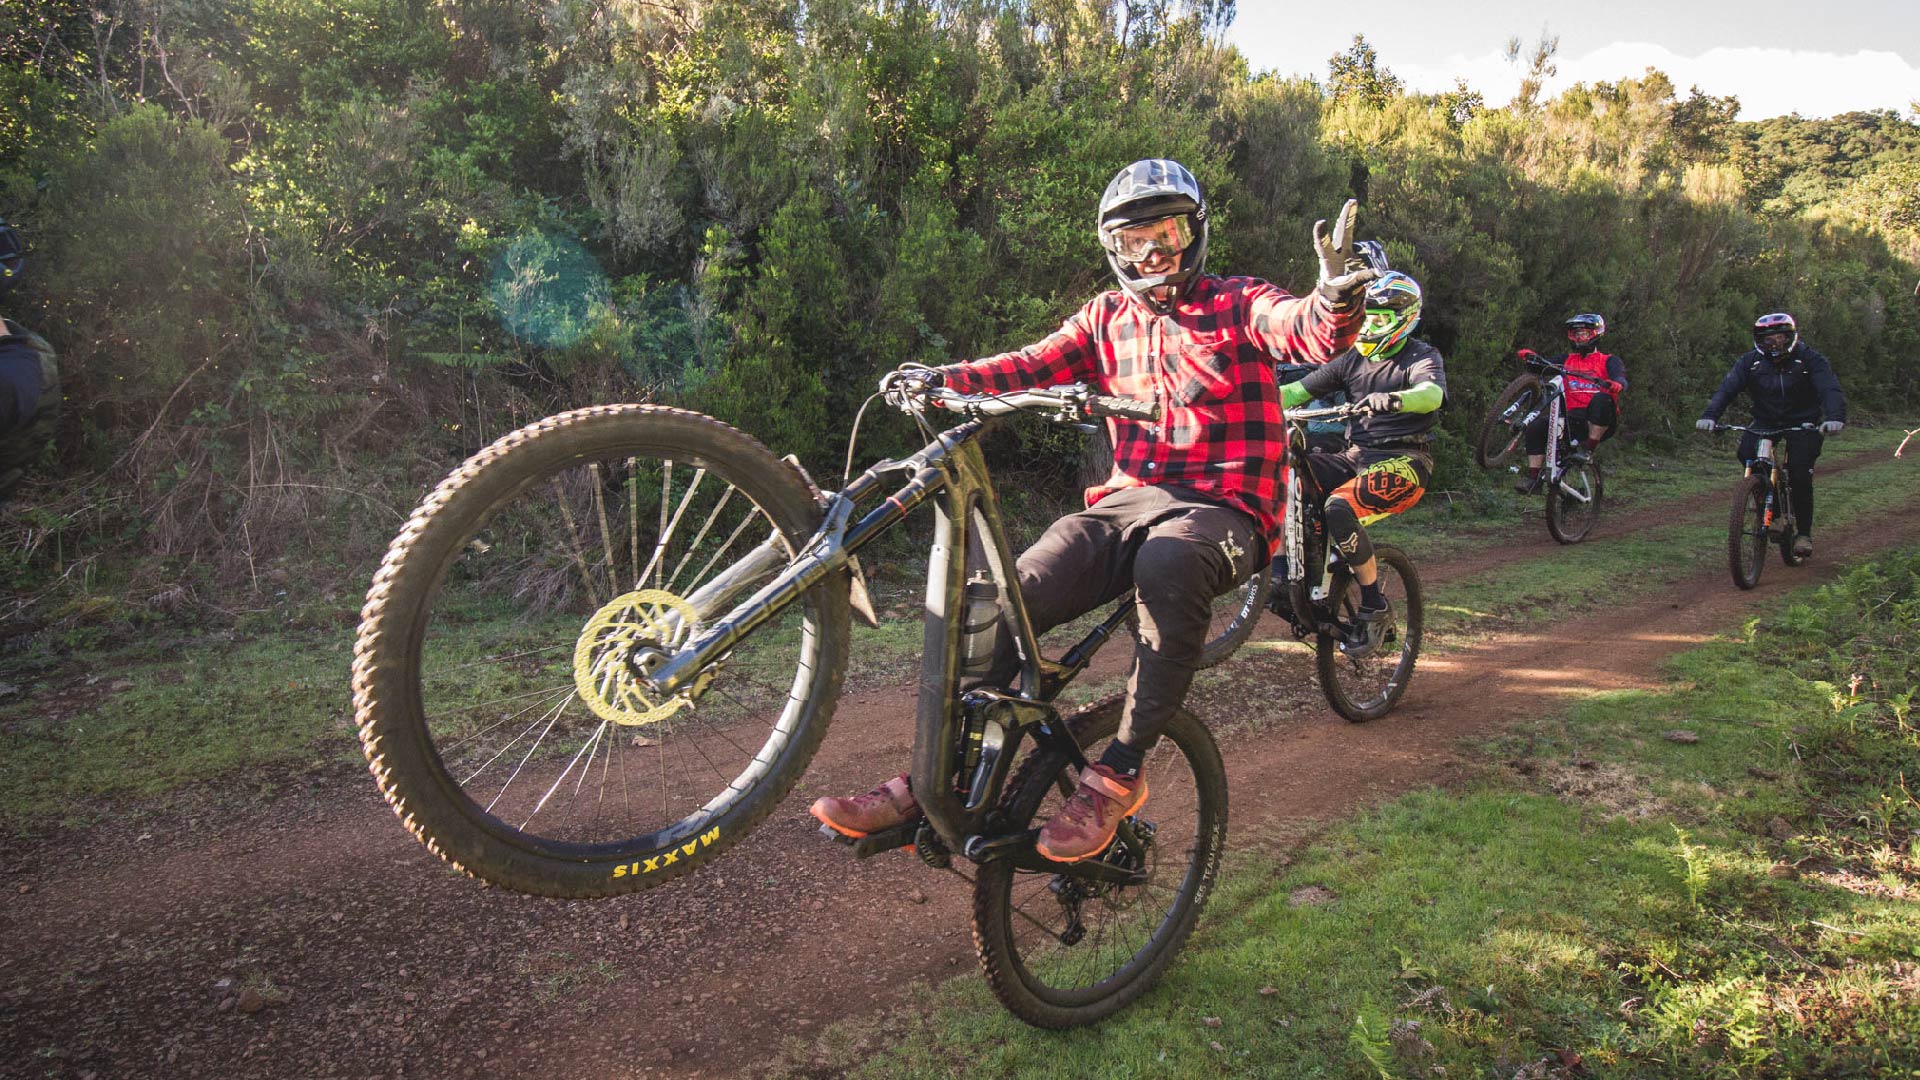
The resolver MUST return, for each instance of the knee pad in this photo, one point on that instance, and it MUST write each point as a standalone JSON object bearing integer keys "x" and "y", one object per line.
{"x": 1343, "y": 529}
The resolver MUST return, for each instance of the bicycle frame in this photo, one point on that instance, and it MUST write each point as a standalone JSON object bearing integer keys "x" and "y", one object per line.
{"x": 1779, "y": 482}
{"x": 976, "y": 733}
{"x": 1305, "y": 504}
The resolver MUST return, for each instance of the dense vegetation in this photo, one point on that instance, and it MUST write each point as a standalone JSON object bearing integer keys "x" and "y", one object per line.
{"x": 299, "y": 257}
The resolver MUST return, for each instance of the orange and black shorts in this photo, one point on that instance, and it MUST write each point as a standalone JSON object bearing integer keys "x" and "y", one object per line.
{"x": 1376, "y": 482}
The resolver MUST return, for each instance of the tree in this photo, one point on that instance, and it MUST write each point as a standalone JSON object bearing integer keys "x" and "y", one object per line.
{"x": 1357, "y": 74}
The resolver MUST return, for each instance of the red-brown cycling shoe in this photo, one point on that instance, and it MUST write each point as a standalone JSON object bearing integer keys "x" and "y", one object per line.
{"x": 890, "y": 804}
{"x": 1085, "y": 825}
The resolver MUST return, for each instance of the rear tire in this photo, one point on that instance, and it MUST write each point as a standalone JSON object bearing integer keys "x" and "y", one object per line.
{"x": 1369, "y": 687}
{"x": 1747, "y": 532}
{"x": 1569, "y": 518}
{"x": 1502, "y": 432}
{"x": 1128, "y": 934}
{"x": 1791, "y": 532}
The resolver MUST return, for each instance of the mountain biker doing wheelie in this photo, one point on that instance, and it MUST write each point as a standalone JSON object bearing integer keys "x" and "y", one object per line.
{"x": 1193, "y": 503}
{"x": 1385, "y": 470}
{"x": 1787, "y": 383}
{"x": 1595, "y": 380}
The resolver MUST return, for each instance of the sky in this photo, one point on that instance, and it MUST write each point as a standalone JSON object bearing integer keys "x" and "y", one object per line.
{"x": 1777, "y": 57}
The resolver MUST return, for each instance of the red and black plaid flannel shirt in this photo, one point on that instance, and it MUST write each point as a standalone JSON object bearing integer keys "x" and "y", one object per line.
{"x": 1209, "y": 364}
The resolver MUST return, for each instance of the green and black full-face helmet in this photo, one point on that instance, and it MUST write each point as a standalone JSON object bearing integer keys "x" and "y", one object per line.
{"x": 1393, "y": 307}
{"x": 1145, "y": 192}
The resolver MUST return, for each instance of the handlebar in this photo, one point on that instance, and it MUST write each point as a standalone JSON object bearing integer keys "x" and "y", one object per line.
{"x": 1070, "y": 403}
{"x": 1330, "y": 412}
{"x": 1765, "y": 433}
{"x": 1533, "y": 361}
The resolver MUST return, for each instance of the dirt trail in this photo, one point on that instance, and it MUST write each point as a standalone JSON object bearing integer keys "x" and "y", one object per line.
{"x": 317, "y": 939}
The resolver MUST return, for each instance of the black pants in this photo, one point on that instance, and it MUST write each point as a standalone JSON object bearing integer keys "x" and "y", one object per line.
{"x": 1803, "y": 449}
{"x": 1599, "y": 409}
{"x": 1178, "y": 548}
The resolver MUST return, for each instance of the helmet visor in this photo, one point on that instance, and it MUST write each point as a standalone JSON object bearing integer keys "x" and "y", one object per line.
{"x": 1138, "y": 243}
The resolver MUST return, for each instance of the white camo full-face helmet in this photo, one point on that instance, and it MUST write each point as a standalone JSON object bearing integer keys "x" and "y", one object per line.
{"x": 1769, "y": 331}
{"x": 1144, "y": 192}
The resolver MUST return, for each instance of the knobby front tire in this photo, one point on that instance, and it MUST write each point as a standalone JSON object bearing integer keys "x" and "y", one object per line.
{"x": 1038, "y": 968}
{"x": 1502, "y": 433}
{"x": 497, "y": 677}
{"x": 1747, "y": 531}
{"x": 1367, "y": 688}
{"x": 1571, "y": 514}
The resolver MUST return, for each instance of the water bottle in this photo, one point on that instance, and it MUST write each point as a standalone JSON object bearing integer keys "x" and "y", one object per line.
{"x": 980, "y": 625}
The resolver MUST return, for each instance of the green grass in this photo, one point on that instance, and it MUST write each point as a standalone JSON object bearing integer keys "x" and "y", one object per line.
{"x": 1638, "y": 475}
{"x": 1743, "y": 905}
{"x": 248, "y": 711}
{"x": 1582, "y": 577}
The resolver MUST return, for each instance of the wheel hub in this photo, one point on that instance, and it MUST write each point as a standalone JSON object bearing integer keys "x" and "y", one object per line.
{"x": 621, "y": 645}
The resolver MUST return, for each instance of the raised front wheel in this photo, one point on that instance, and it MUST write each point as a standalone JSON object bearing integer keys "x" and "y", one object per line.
{"x": 500, "y": 678}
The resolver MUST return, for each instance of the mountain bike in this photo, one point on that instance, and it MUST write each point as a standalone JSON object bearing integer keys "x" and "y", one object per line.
{"x": 1313, "y": 589}
{"x": 605, "y": 647}
{"x": 1762, "y": 507}
{"x": 1574, "y": 488}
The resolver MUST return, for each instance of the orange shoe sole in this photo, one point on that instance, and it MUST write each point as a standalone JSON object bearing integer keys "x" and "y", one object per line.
{"x": 852, "y": 834}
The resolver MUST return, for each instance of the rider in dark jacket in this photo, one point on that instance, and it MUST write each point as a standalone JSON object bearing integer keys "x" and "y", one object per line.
{"x": 29, "y": 379}
{"x": 1786, "y": 383}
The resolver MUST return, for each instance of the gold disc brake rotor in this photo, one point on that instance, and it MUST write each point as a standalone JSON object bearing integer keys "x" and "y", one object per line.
{"x": 616, "y": 647}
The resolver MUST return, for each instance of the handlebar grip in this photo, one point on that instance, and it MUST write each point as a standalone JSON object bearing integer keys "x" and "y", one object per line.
{"x": 1129, "y": 408}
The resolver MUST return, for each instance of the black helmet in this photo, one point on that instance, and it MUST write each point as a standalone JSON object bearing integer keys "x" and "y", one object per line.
{"x": 1777, "y": 323}
{"x": 1144, "y": 192}
{"x": 13, "y": 257}
{"x": 1588, "y": 321}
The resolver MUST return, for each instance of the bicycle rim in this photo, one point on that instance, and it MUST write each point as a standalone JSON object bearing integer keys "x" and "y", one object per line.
{"x": 1747, "y": 532}
{"x": 499, "y": 672}
{"x": 1367, "y": 687}
{"x": 1061, "y": 951}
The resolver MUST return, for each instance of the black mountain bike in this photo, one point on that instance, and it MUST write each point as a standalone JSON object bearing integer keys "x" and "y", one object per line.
{"x": 1313, "y": 589}
{"x": 1762, "y": 507}
{"x": 1574, "y": 489}
{"x": 606, "y": 646}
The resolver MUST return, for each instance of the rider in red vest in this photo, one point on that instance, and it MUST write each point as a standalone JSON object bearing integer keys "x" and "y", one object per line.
{"x": 1593, "y": 384}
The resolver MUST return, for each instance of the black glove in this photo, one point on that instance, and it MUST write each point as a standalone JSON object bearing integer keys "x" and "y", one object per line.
{"x": 1343, "y": 273}
{"x": 1380, "y": 403}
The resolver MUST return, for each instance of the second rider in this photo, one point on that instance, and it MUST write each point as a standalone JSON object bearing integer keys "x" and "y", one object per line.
{"x": 1401, "y": 382}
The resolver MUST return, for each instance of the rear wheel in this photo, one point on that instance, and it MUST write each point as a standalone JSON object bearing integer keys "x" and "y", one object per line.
{"x": 1573, "y": 505}
{"x": 1061, "y": 951}
{"x": 499, "y": 678}
{"x": 1504, "y": 430}
{"x": 1782, "y": 498}
{"x": 1747, "y": 531}
{"x": 1363, "y": 688}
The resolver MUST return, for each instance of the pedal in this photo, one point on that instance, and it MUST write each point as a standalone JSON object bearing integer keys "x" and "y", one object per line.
{"x": 885, "y": 840}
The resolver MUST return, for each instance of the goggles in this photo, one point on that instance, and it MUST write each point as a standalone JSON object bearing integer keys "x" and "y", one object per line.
{"x": 1379, "y": 322}
{"x": 1138, "y": 243}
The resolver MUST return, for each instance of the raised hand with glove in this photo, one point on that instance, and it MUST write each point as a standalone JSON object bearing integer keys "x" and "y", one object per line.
{"x": 1344, "y": 273}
